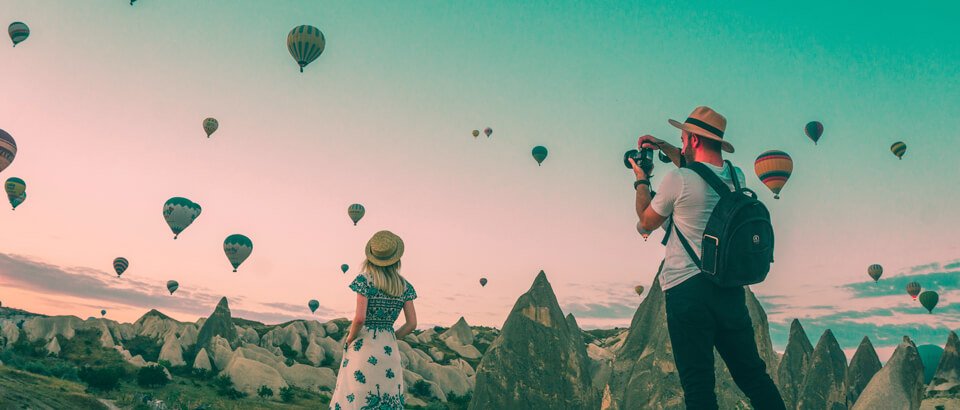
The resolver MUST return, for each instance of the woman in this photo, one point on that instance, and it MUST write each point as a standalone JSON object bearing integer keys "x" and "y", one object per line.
{"x": 371, "y": 376}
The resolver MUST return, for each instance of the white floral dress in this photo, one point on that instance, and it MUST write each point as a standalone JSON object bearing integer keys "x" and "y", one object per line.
{"x": 371, "y": 376}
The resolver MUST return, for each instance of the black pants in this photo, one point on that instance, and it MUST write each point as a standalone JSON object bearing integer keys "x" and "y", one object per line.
{"x": 701, "y": 316}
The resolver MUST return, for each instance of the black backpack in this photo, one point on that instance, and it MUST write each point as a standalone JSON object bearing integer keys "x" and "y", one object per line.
{"x": 737, "y": 244}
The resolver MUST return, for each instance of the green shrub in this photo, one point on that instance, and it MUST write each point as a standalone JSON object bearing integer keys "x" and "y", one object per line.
{"x": 287, "y": 394}
{"x": 152, "y": 376}
{"x": 224, "y": 386}
{"x": 421, "y": 389}
{"x": 102, "y": 378}
{"x": 143, "y": 346}
{"x": 264, "y": 392}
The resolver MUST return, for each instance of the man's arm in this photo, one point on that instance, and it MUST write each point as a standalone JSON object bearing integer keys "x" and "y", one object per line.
{"x": 649, "y": 219}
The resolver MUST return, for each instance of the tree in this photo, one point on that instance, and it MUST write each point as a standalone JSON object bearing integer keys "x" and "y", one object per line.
{"x": 152, "y": 376}
{"x": 264, "y": 392}
{"x": 421, "y": 388}
{"x": 287, "y": 394}
{"x": 102, "y": 378}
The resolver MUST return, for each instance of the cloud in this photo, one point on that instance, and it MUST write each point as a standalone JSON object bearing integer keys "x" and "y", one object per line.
{"x": 104, "y": 288}
{"x": 601, "y": 311}
{"x": 896, "y": 285}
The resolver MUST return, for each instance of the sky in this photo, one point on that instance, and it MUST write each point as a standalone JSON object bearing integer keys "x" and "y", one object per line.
{"x": 106, "y": 102}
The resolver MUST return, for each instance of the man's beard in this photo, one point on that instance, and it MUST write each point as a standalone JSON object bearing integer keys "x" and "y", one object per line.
{"x": 687, "y": 153}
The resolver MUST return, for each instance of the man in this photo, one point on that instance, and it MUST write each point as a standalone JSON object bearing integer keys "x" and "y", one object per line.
{"x": 700, "y": 314}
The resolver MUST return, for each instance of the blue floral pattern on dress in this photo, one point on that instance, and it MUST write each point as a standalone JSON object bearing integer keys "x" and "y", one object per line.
{"x": 387, "y": 350}
{"x": 358, "y": 345}
{"x": 351, "y": 397}
{"x": 359, "y": 376}
{"x": 372, "y": 360}
{"x": 390, "y": 374}
{"x": 384, "y": 401}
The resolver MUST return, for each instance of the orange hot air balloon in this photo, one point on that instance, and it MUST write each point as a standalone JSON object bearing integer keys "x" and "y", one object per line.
{"x": 774, "y": 169}
{"x": 913, "y": 289}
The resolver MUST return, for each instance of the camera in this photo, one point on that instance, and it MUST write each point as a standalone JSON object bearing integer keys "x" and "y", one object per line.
{"x": 643, "y": 158}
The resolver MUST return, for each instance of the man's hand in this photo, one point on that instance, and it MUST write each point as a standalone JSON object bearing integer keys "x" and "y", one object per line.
{"x": 638, "y": 171}
{"x": 649, "y": 141}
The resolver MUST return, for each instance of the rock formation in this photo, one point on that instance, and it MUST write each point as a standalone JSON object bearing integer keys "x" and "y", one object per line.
{"x": 219, "y": 324}
{"x": 900, "y": 382}
{"x": 202, "y": 361}
{"x": 824, "y": 378}
{"x": 793, "y": 364}
{"x": 536, "y": 362}
{"x": 864, "y": 365}
{"x": 460, "y": 332}
{"x": 53, "y": 348}
{"x": 644, "y": 375}
{"x": 172, "y": 352}
{"x": 946, "y": 382}
{"x": 248, "y": 375}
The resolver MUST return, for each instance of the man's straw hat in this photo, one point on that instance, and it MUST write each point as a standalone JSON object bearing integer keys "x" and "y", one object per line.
{"x": 707, "y": 123}
{"x": 384, "y": 248}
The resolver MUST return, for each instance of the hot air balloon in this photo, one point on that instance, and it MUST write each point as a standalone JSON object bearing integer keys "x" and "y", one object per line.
{"x": 18, "y": 200}
{"x": 313, "y": 304}
{"x": 539, "y": 154}
{"x": 913, "y": 289}
{"x": 8, "y": 150}
{"x": 14, "y": 187}
{"x": 898, "y": 148}
{"x": 132, "y": 1}
{"x": 356, "y": 212}
{"x": 180, "y": 213}
{"x": 305, "y": 44}
{"x": 488, "y": 131}
{"x": 929, "y": 300}
{"x": 639, "y": 290}
{"x": 103, "y": 313}
{"x": 120, "y": 265}
{"x": 18, "y": 32}
{"x": 344, "y": 268}
{"x": 774, "y": 169}
{"x": 172, "y": 286}
{"x": 210, "y": 125}
{"x": 643, "y": 232}
{"x": 875, "y": 271}
{"x": 238, "y": 248}
{"x": 814, "y": 130}
{"x": 483, "y": 282}
{"x": 476, "y": 133}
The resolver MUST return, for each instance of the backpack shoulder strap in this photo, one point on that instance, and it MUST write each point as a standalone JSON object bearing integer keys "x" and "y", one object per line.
{"x": 711, "y": 178}
{"x": 688, "y": 248}
{"x": 734, "y": 176}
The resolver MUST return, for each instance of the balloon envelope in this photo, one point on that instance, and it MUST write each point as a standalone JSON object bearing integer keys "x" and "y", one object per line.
{"x": 103, "y": 313}
{"x": 120, "y": 265}
{"x": 639, "y": 290}
{"x": 305, "y": 44}
{"x": 774, "y": 169}
{"x": 172, "y": 286}
{"x": 488, "y": 131}
{"x": 18, "y": 32}
{"x": 344, "y": 268}
{"x": 929, "y": 300}
{"x": 898, "y": 148}
{"x": 14, "y": 187}
{"x": 180, "y": 213}
{"x": 8, "y": 150}
{"x": 313, "y": 305}
{"x": 237, "y": 248}
{"x": 210, "y": 125}
{"x": 483, "y": 281}
{"x": 539, "y": 153}
{"x": 814, "y": 130}
{"x": 643, "y": 232}
{"x": 913, "y": 289}
{"x": 875, "y": 271}
{"x": 356, "y": 212}
{"x": 476, "y": 133}
{"x": 930, "y": 358}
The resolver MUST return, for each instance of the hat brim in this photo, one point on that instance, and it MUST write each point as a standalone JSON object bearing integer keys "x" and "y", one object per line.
{"x": 725, "y": 145}
{"x": 385, "y": 262}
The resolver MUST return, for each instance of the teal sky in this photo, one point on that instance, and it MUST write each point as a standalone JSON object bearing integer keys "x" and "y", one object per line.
{"x": 106, "y": 101}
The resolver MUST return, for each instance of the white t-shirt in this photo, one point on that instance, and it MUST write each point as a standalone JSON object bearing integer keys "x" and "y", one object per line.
{"x": 687, "y": 197}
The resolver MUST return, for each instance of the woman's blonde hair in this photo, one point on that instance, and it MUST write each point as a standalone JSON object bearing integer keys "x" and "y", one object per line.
{"x": 386, "y": 278}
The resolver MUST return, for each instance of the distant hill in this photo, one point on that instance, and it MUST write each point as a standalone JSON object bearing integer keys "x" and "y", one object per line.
{"x": 24, "y": 390}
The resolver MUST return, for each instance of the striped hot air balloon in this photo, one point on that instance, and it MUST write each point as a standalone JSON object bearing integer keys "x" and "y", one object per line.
{"x": 898, "y": 148}
{"x": 18, "y": 32}
{"x": 913, "y": 289}
{"x": 814, "y": 130}
{"x": 643, "y": 232}
{"x": 8, "y": 150}
{"x": 305, "y": 44}
{"x": 639, "y": 289}
{"x": 180, "y": 213}
{"x": 356, "y": 212}
{"x": 539, "y": 153}
{"x": 238, "y": 249}
{"x": 488, "y": 131}
{"x": 14, "y": 187}
{"x": 774, "y": 169}
{"x": 120, "y": 265}
{"x": 172, "y": 286}
{"x": 15, "y": 202}
{"x": 875, "y": 271}
{"x": 210, "y": 125}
